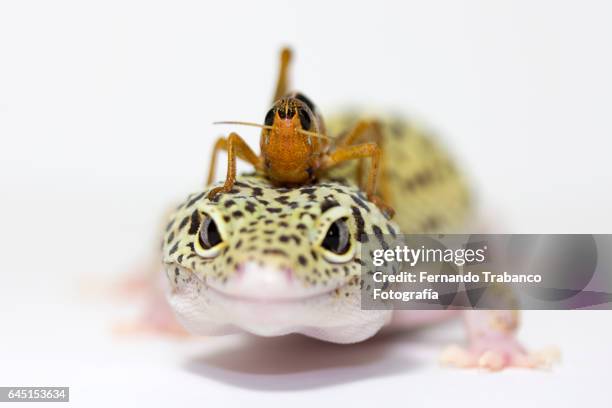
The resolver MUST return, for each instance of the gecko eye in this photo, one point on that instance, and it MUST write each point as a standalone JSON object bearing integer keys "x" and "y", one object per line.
{"x": 304, "y": 119}
{"x": 334, "y": 240}
{"x": 209, "y": 238}
{"x": 269, "y": 117}
{"x": 337, "y": 237}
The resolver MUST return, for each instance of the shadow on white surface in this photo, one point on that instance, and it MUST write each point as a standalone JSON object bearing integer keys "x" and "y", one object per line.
{"x": 298, "y": 363}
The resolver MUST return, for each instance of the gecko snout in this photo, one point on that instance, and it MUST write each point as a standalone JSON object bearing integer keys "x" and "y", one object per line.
{"x": 256, "y": 282}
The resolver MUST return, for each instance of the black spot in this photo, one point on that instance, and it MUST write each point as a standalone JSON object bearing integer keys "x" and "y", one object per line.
{"x": 226, "y": 218}
{"x": 274, "y": 251}
{"x": 195, "y": 222}
{"x": 195, "y": 199}
{"x": 237, "y": 214}
{"x": 391, "y": 230}
{"x": 257, "y": 191}
{"x": 361, "y": 236}
{"x": 420, "y": 180}
{"x": 379, "y": 234}
{"x": 303, "y": 214}
{"x": 170, "y": 238}
{"x": 170, "y": 224}
{"x": 302, "y": 260}
{"x": 327, "y": 204}
{"x": 238, "y": 244}
{"x": 173, "y": 249}
{"x": 180, "y": 258}
{"x": 250, "y": 207}
{"x": 184, "y": 222}
{"x": 301, "y": 226}
{"x": 431, "y": 223}
{"x": 314, "y": 255}
{"x": 282, "y": 199}
{"x": 308, "y": 190}
{"x": 273, "y": 209}
{"x": 360, "y": 202}
{"x": 229, "y": 203}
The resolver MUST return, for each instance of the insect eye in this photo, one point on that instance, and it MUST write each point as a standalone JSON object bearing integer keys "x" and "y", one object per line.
{"x": 337, "y": 238}
{"x": 304, "y": 119}
{"x": 209, "y": 238}
{"x": 307, "y": 101}
{"x": 269, "y": 117}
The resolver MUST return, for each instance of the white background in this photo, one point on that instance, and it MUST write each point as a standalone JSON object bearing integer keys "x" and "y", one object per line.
{"x": 105, "y": 120}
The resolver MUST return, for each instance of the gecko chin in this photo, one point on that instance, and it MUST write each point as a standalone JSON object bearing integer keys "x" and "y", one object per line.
{"x": 213, "y": 309}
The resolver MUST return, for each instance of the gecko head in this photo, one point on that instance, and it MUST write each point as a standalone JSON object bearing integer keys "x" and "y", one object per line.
{"x": 273, "y": 261}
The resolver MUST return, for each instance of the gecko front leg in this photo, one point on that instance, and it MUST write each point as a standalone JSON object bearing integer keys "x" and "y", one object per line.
{"x": 493, "y": 344}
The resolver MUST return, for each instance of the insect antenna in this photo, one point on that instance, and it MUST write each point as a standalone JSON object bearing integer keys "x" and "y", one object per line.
{"x": 231, "y": 122}
{"x": 314, "y": 134}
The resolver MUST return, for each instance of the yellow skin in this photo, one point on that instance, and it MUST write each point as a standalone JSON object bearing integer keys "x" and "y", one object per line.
{"x": 255, "y": 258}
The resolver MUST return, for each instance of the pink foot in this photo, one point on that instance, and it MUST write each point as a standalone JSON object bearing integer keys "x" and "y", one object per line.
{"x": 146, "y": 288}
{"x": 497, "y": 354}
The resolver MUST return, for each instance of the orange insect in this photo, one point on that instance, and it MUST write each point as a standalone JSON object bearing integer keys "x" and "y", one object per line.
{"x": 294, "y": 146}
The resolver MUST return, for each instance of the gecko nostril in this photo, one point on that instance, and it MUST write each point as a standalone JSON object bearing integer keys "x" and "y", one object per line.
{"x": 239, "y": 270}
{"x": 288, "y": 274}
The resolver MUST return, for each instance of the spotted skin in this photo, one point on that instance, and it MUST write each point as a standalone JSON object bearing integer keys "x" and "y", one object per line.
{"x": 264, "y": 223}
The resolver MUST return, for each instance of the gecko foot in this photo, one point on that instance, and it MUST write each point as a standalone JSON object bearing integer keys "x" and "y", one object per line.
{"x": 497, "y": 356}
{"x": 145, "y": 288}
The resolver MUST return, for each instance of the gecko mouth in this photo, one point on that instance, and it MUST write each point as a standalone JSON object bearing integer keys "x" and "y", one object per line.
{"x": 263, "y": 300}
{"x": 255, "y": 283}
{"x": 260, "y": 285}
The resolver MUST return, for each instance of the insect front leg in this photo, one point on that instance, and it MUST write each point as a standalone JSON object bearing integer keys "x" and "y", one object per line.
{"x": 347, "y": 149}
{"x": 361, "y": 151}
{"x": 236, "y": 147}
